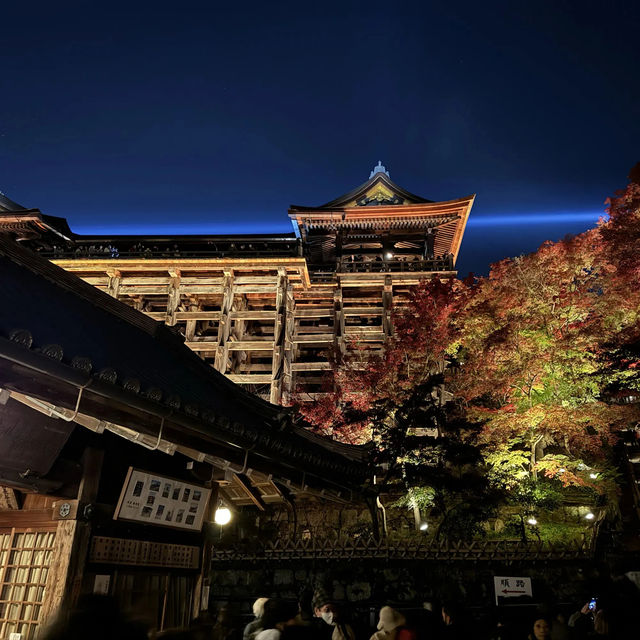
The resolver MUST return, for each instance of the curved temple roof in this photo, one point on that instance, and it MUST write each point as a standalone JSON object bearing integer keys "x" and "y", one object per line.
{"x": 134, "y": 370}
{"x": 380, "y": 204}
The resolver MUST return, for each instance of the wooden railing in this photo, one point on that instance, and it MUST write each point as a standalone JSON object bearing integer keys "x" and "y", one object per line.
{"x": 370, "y": 549}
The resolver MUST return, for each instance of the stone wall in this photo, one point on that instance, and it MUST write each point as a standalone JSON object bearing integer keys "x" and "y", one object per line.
{"x": 363, "y": 585}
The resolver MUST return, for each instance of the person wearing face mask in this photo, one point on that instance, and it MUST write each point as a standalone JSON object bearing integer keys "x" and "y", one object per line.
{"x": 329, "y": 625}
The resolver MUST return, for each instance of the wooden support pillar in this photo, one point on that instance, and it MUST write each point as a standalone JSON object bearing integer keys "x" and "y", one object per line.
{"x": 72, "y": 542}
{"x": 201, "y": 590}
{"x": 338, "y": 318}
{"x": 239, "y": 329}
{"x": 277, "y": 360}
{"x": 429, "y": 243}
{"x": 224, "y": 328}
{"x": 113, "y": 288}
{"x": 387, "y": 306}
{"x": 289, "y": 355}
{"x": 190, "y": 327}
{"x": 173, "y": 297}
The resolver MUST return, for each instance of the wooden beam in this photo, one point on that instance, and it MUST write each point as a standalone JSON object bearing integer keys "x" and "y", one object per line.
{"x": 250, "y": 378}
{"x": 362, "y": 311}
{"x": 363, "y": 330}
{"x": 244, "y": 483}
{"x": 387, "y": 305}
{"x": 338, "y": 318}
{"x": 277, "y": 362}
{"x": 251, "y": 345}
{"x": 318, "y": 312}
{"x": 8, "y": 498}
{"x": 238, "y": 331}
{"x": 40, "y": 519}
{"x": 224, "y": 327}
{"x": 173, "y": 298}
{"x": 196, "y": 314}
{"x": 254, "y": 367}
{"x": 252, "y": 314}
{"x": 289, "y": 347}
{"x": 319, "y": 338}
{"x": 113, "y": 286}
{"x": 310, "y": 366}
{"x": 202, "y": 344}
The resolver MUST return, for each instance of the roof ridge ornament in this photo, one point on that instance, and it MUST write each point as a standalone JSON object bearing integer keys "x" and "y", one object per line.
{"x": 379, "y": 168}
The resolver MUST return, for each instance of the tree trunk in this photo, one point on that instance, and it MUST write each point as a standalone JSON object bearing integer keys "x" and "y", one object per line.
{"x": 416, "y": 516}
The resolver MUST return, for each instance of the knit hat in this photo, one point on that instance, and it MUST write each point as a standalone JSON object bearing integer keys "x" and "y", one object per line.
{"x": 390, "y": 619}
{"x": 258, "y": 607}
{"x": 320, "y": 598}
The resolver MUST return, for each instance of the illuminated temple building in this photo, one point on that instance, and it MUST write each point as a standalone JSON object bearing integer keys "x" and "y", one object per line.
{"x": 265, "y": 309}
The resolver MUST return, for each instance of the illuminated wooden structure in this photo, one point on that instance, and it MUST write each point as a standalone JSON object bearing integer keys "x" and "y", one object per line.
{"x": 266, "y": 309}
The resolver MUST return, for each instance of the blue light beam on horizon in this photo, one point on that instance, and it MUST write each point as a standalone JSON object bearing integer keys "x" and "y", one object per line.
{"x": 559, "y": 217}
{"x": 259, "y": 227}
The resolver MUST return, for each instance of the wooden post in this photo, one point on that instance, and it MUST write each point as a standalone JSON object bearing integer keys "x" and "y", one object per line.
{"x": 114, "y": 282}
{"x": 338, "y": 318}
{"x": 72, "y": 542}
{"x": 239, "y": 329}
{"x": 289, "y": 329}
{"x": 203, "y": 580}
{"x": 277, "y": 364}
{"x": 190, "y": 326}
{"x": 173, "y": 297}
{"x": 224, "y": 328}
{"x": 387, "y": 305}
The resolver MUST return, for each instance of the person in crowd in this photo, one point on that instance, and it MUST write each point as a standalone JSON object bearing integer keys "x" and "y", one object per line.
{"x": 590, "y": 622}
{"x": 452, "y": 620}
{"x": 202, "y": 626}
{"x": 500, "y": 629}
{"x": 252, "y": 629}
{"x": 392, "y": 625}
{"x": 559, "y": 628}
{"x": 541, "y": 630}
{"x": 223, "y": 627}
{"x": 329, "y": 624}
{"x": 277, "y": 615}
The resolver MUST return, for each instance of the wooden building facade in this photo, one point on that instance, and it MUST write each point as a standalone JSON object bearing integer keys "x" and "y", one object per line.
{"x": 265, "y": 310}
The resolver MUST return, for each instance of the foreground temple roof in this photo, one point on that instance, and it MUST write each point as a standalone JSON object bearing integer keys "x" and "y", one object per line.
{"x": 63, "y": 341}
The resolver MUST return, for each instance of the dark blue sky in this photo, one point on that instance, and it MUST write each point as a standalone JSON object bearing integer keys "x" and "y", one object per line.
{"x": 202, "y": 116}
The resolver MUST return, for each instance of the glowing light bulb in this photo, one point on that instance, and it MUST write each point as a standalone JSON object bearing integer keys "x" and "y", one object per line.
{"x": 388, "y": 255}
{"x": 589, "y": 516}
{"x": 222, "y": 516}
{"x": 532, "y": 521}
{"x": 424, "y": 526}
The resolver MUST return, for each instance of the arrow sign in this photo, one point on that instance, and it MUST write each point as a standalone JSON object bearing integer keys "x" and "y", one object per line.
{"x": 511, "y": 587}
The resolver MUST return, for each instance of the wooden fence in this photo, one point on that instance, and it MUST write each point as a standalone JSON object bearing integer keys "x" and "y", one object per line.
{"x": 370, "y": 549}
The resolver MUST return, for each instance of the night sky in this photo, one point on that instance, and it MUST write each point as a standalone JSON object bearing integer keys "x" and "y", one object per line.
{"x": 188, "y": 117}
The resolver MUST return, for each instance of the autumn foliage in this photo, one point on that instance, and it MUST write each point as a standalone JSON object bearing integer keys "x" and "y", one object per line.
{"x": 535, "y": 356}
